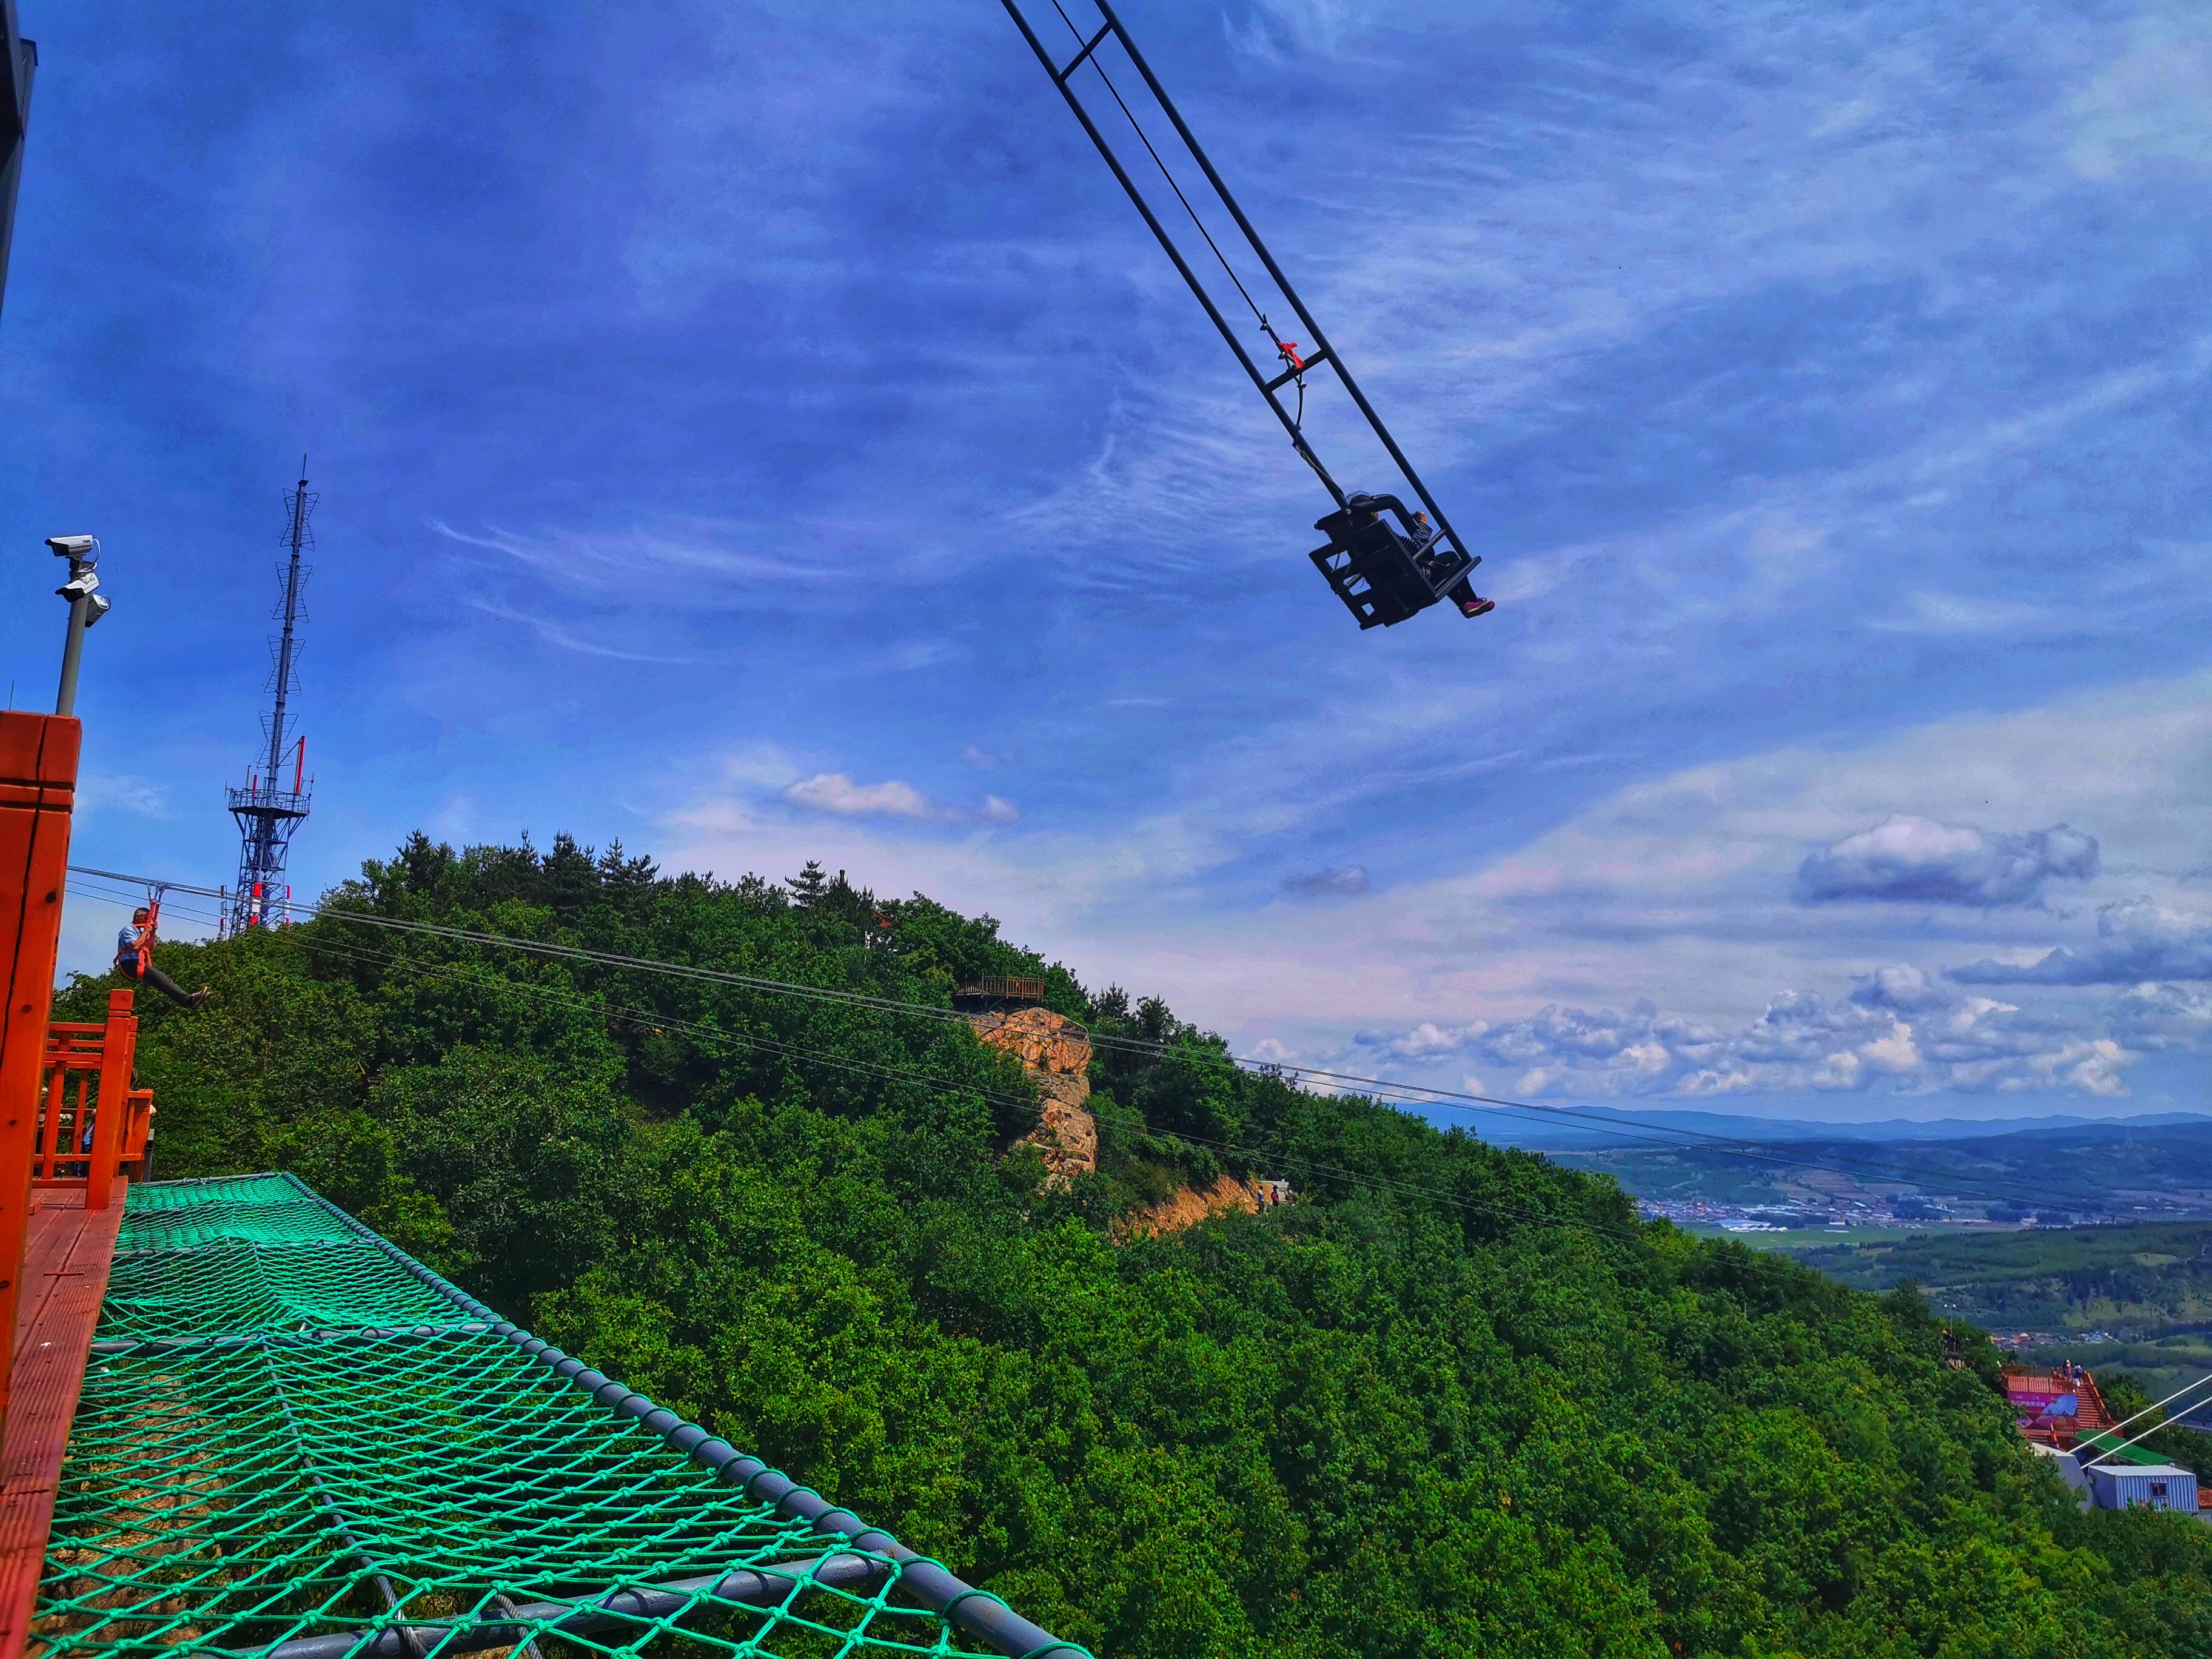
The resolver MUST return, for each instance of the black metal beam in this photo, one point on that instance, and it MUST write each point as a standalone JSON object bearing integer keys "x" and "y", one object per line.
{"x": 1290, "y": 374}
{"x": 1274, "y": 271}
{"x": 1089, "y": 47}
{"x": 15, "y": 78}
{"x": 1167, "y": 242}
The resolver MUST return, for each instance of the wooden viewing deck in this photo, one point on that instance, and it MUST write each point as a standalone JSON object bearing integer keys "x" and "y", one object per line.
{"x": 2031, "y": 1388}
{"x": 67, "y": 1249}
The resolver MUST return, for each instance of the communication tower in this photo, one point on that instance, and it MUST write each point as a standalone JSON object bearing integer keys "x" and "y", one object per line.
{"x": 266, "y": 811}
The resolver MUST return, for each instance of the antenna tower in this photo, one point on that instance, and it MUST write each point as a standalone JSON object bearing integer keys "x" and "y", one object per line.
{"x": 266, "y": 811}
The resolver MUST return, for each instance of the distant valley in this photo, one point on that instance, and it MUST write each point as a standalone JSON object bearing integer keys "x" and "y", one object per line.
{"x": 1769, "y": 1175}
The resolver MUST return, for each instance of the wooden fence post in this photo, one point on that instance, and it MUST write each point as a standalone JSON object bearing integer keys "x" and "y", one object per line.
{"x": 110, "y": 1115}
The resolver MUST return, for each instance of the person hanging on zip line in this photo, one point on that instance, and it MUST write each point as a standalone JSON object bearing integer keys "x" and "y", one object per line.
{"x": 134, "y": 960}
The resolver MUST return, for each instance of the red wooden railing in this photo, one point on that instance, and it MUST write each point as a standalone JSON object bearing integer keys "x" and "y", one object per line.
{"x": 81, "y": 1142}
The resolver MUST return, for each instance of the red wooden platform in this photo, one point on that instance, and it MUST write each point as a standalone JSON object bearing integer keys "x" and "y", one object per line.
{"x": 67, "y": 1252}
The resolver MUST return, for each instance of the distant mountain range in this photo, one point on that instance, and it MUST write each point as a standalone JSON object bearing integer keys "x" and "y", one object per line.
{"x": 1611, "y": 1126}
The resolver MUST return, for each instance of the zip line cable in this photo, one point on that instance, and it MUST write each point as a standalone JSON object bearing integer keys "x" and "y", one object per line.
{"x": 2111, "y": 1451}
{"x": 652, "y": 1020}
{"x": 1394, "y": 1092}
{"x": 658, "y": 1023}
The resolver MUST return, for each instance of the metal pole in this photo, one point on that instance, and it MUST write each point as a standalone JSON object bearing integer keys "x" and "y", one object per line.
{"x": 19, "y": 65}
{"x": 72, "y": 653}
{"x": 298, "y": 535}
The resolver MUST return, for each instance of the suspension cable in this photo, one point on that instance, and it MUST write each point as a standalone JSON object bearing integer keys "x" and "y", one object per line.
{"x": 1396, "y": 1093}
{"x": 714, "y": 1036}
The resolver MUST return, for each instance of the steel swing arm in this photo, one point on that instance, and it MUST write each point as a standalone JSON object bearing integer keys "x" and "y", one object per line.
{"x": 1086, "y": 52}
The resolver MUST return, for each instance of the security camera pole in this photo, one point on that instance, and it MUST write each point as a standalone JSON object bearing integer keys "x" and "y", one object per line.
{"x": 86, "y": 608}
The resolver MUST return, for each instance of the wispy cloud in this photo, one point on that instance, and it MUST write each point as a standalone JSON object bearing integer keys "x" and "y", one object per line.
{"x": 568, "y": 638}
{"x": 2149, "y": 105}
{"x": 1795, "y": 370}
{"x": 836, "y": 792}
{"x": 99, "y": 792}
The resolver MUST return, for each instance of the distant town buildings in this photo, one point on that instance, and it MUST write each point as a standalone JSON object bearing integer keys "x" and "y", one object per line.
{"x": 1841, "y": 1215}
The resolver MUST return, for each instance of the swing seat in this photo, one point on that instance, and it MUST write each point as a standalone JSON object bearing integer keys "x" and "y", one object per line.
{"x": 1375, "y": 569}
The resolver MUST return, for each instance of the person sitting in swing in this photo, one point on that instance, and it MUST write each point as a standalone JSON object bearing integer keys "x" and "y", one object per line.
{"x": 1462, "y": 593}
{"x": 1423, "y": 535}
{"x": 134, "y": 960}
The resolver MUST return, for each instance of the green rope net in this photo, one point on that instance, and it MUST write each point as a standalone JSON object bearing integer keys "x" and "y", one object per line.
{"x": 294, "y": 1441}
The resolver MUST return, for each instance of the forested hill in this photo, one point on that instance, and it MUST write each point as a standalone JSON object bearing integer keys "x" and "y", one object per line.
{"x": 1452, "y": 1400}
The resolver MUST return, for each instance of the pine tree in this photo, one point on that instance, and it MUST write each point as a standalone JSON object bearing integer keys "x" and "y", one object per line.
{"x": 570, "y": 879}
{"x": 808, "y": 886}
{"x": 624, "y": 881}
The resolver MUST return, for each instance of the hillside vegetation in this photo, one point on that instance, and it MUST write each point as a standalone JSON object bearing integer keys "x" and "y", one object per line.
{"x": 2150, "y": 1278}
{"x": 1452, "y": 1400}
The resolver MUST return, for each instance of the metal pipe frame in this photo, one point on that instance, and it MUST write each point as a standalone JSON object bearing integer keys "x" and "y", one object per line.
{"x": 1167, "y": 242}
{"x": 975, "y": 1612}
{"x": 1275, "y": 271}
{"x": 763, "y": 1588}
{"x": 1325, "y": 354}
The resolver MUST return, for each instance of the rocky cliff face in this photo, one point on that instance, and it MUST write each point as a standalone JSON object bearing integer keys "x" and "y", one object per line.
{"x": 1191, "y": 1205}
{"x": 1056, "y": 1051}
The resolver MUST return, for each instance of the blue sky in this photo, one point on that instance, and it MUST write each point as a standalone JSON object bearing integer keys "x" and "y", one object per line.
{"x": 760, "y": 433}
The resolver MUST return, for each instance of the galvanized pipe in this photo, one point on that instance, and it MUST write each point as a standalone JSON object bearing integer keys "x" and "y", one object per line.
{"x": 765, "y": 1588}
{"x": 976, "y": 1612}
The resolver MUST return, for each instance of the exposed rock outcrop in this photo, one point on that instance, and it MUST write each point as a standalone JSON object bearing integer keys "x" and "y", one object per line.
{"x": 1056, "y": 1051}
{"x": 1191, "y": 1205}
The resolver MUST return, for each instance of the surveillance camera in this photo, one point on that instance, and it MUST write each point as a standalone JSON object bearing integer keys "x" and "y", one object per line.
{"x": 79, "y": 586}
{"x": 74, "y": 547}
{"x": 95, "y": 609}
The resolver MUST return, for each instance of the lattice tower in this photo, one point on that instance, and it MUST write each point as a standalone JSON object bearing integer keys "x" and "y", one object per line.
{"x": 267, "y": 812}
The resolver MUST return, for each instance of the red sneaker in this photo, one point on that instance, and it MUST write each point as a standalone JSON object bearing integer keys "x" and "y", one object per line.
{"x": 1478, "y": 607}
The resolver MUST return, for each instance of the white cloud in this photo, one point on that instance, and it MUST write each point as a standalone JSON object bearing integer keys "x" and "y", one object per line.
{"x": 2164, "y": 1016}
{"x": 2140, "y": 939}
{"x": 2150, "y": 104}
{"x": 833, "y": 792}
{"x": 2092, "y": 1066}
{"x": 455, "y": 819}
{"x": 1900, "y": 985}
{"x": 1802, "y": 1042}
{"x": 1681, "y": 887}
{"x": 1906, "y": 860}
